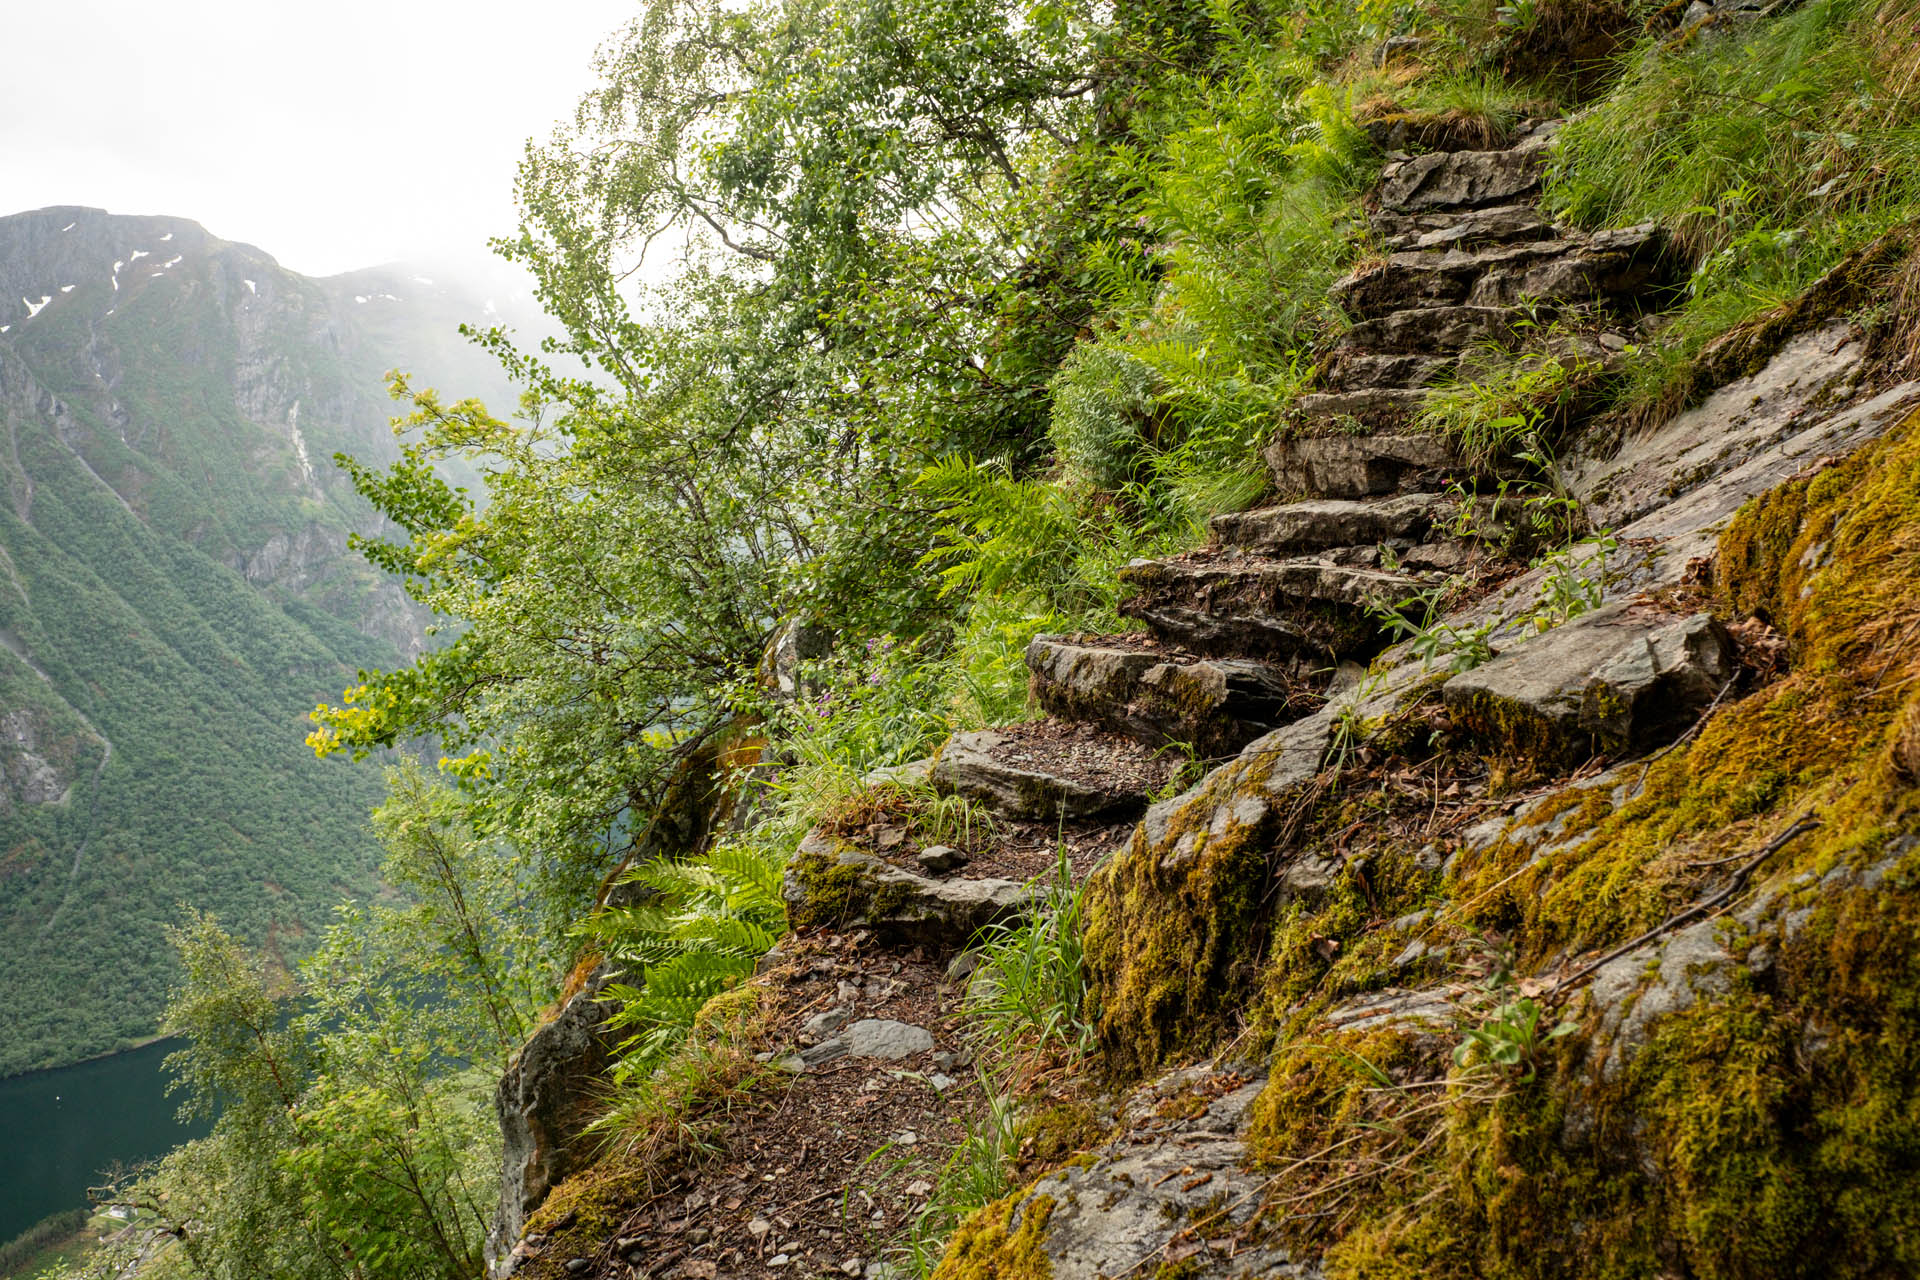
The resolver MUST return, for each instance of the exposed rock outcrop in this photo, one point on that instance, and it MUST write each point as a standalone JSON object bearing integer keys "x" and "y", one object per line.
{"x": 544, "y": 1100}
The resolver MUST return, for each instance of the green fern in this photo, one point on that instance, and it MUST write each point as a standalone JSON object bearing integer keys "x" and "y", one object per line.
{"x": 709, "y": 921}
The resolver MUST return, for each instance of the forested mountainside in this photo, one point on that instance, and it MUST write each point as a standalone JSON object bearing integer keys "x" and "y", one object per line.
{"x": 1178, "y": 640}
{"x": 178, "y": 593}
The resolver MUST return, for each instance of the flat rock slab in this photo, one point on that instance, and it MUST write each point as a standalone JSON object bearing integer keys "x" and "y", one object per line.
{"x": 1622, "y": 263}
{"x": 1214, "y": 705}
{"x": 1126, "y": 1211}
{"x": 1624, "y": 677}
{"x": 1320, "y": 524}
{"x": 828, "y": 885}
{"x": 1494, "y": 224}
{"x": 1377, "y": 408}
{"x": 1428, "y": 330}
{"x": 1463, "y": 179}
{"x": 1735, "y": 424}
{"x": 1259, "y": 607}
{"x": 1347, "y": 466}
{"x": 1357, "y": 371}
{"x": 1017, "y": 773}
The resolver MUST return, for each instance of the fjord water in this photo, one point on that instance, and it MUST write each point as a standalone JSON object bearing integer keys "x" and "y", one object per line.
{"x": 63, "y": 1127}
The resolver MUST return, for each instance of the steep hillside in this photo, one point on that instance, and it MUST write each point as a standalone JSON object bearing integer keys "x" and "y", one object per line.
{"x": 1196, "y": 642}
{"x": 178, "y": 592}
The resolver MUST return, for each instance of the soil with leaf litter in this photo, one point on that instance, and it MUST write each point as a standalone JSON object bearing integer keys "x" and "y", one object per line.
{"x": 825, "y": 1165}
{"x": 1087, "y": 754}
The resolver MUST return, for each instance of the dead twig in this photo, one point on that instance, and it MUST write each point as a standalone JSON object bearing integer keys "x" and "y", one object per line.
{"x": 1701, "y": 908}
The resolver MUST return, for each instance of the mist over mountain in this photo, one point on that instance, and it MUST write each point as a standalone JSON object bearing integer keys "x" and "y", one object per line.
{"x": 177, "y": 591}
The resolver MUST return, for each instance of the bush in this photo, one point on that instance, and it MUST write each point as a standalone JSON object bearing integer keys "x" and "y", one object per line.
{"x": 1104, "y": 411}
{"x": 50, "y": 1230}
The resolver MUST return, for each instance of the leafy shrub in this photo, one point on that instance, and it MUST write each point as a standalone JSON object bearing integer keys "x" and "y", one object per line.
{"x": 1103, "y": 413}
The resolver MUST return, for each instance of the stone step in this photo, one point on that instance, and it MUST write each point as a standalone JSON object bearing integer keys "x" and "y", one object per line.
{"x": 1157, "y": 696}
{"x": 1376, "y": 408}
{"x": 1358, "y": 371}
{"x": 1255, "y": 606}
{"x": 1462, "y": 229}
{"x": 1427, "y": 330}
{"x": 1321, "y": 524}
{"x": 1361, "y": 466}
{"x": 1609, "y": 264}
{"x": 832, "y": 884}
{"x": 1622, "y": 678}
{"x": 1034, "y": 772}
{"x": 1463, "y": 179}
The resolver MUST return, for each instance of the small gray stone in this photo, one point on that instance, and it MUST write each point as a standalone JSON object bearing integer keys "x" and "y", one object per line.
{"x": 577, "y": 1266}
{"x": 938, "y": 859}
{"x": 885, "y": 1038}
{"x": 825, "y": 1051}
{"x": 825, "y": 1023}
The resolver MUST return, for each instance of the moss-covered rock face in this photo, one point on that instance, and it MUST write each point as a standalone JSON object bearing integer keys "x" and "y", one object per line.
{"x": 1174, "y": 920}
{"x": 1744, "y": 1100}
{"x": 1001, "y": 1242}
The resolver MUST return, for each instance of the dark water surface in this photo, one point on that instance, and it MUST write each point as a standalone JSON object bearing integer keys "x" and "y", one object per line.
{"x": 60, "y": 1128}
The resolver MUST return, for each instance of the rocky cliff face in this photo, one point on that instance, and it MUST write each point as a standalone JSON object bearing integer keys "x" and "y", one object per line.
{"x": 177, "y": 589}
{"x": 1558, "y": 940}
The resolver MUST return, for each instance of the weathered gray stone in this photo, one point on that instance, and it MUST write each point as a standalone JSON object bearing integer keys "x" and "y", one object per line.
{"x": 1428, "y": 330}
{"x": 1620, "y": 678}
{"x": 1621, "y": 263}
{"x": 1343, "y": 466}
{"x": 1355, "y": 371}
{"x": 825, "y": 1023}
{"x": 793, "y": 644}
{"x": 1131, "y": 1208}
{"x": 904, "y": 907}
{"x": 885, "y": 1038}
{"x": 1380, "y": 408}
{"x": 1214, "y": 705}
{"x": 1321, "y": 523}
{"x": 938, "y": 859}
{"x": 1267, "y": 608}
{"x": 1466, "y": 228}
{"x": 972, "y": 765}
{"x": 1733, "y": 426}
{"x": 544, "y": 1101}
{"x": 1462, "y": 179}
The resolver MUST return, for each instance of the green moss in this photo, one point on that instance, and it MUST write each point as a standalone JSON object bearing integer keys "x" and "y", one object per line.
{"x": 1053, "y": 1136}
{"x": 1771, "y": 1127}
{"x": 1321, "y": 1088}
{"x": 834, "y": 892}
{"x": 1341, "y": 943}
{"x": 1170, "y": 935}
{"x": 990, "y": 1245}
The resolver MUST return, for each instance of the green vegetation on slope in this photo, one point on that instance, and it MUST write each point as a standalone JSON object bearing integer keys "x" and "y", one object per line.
{"x": 176, "y": 592}
{"x": 981, "y": 299}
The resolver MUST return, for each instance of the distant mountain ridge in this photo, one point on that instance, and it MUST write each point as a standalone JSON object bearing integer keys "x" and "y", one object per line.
{"x": 176, "y": 590}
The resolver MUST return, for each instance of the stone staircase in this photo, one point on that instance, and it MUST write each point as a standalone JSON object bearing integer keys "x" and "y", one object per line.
{"x": 1246, "y": 632}
{"x": 1467, "y": 247}
{"x": 1244, "y": 641}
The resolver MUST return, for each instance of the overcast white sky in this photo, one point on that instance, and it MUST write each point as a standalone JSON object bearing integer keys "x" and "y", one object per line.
{"x": 332, "y": 133}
